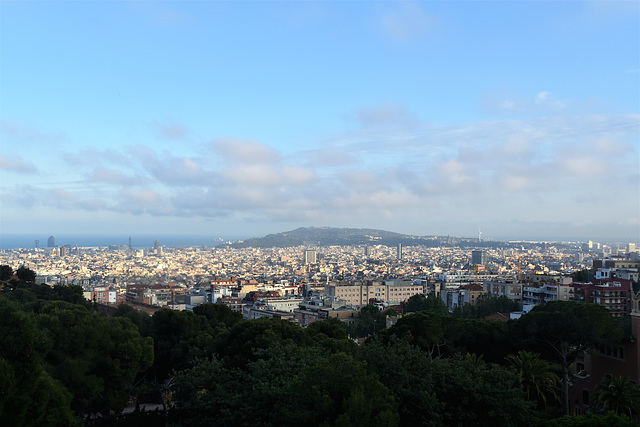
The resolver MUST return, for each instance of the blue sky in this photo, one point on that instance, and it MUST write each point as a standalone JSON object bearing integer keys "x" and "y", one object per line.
{"x": 247, "y": 118}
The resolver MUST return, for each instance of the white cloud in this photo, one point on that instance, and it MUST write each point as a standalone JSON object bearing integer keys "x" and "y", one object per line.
{"x": 16, "y": 163}
{"x": 407, "y": 22}
{"x": 171, "y": 130}
{"x": 386, "y": 114}
{"x": 509, "y": 169}
{"x": 245, "y": 152}
{"x": 110, "y": 176}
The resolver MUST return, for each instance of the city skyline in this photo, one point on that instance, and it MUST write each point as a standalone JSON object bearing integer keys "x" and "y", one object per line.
{"x": 221, "y": 119}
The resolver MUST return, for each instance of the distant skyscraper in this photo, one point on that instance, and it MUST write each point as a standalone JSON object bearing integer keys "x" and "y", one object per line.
{"x": 631, "y": 247}
{"x": 399, "y": 251}
{"x": 51, "y": 242}
{"x": 478, "y": 257}
{"x": 310, "y": 257}
{"x": 130, "y": 247}
{"x": 156, "y": 244}
{"x": 367, "y": 251}
{"x": 37, "y": 243}
{"x": 479, "y": 235}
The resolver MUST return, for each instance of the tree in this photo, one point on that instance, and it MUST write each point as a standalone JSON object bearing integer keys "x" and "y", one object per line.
{"x": 179, "y": 338}
{"x": 331, "y": 334}
{"x": 245, "y": 339}
{"x": 610, "y": 419}
{"x": 96, "y": 358}
{"x": 407, "y": 372}
{"x": 432, "y": 302}
{"x": 5, "y": 272}
{"x": 486, "y": 305}
{"x": 339, "y": 391}
{"x": 218, "y": 314}
{"x": 370, "y": 321}
{"x": 619, "y": 395}
{"x": 567, "y": 328}
{"x": 139, "y": 318}
{"x": 477, "y": 394}
{"x": 536, "y": 375}
{"x": 29, "y": 396}
{"x": 581, "y": 276}
{"x": 26, "y": 275}
{"x": 433, "y": 333}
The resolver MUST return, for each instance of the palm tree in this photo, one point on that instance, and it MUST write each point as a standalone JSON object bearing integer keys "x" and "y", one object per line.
{"x": 536, "y": 376}
{"x": 619, "y": 395}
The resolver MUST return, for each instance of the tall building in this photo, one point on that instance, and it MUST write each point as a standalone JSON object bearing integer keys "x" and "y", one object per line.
{"x": 399, "y": 251}
{"x": 51, "y": 242}
{"x": 310, "y": 257}
{"x": 367, "y": 251}
{"x": 631, "y": 247}
{"x": 478, "y": 257}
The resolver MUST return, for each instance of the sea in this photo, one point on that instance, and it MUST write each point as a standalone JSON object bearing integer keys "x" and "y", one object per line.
{"x": 28, "y": 241}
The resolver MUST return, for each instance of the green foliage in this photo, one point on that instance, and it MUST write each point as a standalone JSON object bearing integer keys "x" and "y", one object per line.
{"x": 5, "y": 272}
{"x": 180, "y": 337}
{"x": 581, "y": 276}
{"x": 405, "y": 370}
{"x": 95, "y": 357}
{"x": 26, "y": 274}
{"x": 486, "y": 305}
{"x": 240, "y": 344}
{"x": 431, "y": 302}
{"x": 434, "y": 334}
{"x": 370, "y": 320}
{"x": 27, "y": 293}
{"x": 139, "y": 318}
{"x": 286, "y": 386}
{"x": 339, "y": 391}
{"x": 568, "y": 328}
{"x": 218, "y": 314}
{"x": 331, "y": 334}
{"x": 619, "y": 395}
{"x": 537, "y": 376}
{"x": 489, "y": 394}
{"x": 494, "y": 340}
{"x": 610, "y": 419}
{"x": 28, "y": 394}
{"x": 454, "y": 391}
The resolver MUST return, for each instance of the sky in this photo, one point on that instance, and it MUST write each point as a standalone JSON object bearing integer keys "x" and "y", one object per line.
{"x": 207, "y": 118}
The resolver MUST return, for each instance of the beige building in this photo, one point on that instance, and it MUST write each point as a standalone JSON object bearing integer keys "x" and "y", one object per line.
{"x": 512, "y": 289}
{"x": 361, "y": 292}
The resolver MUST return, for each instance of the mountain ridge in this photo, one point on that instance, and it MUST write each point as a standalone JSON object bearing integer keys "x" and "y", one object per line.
{"x": 334, "y": 236}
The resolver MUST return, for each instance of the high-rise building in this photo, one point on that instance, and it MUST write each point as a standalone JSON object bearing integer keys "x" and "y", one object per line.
{"x": 631, "y": 247}
{"x": 399, "y": 251}
{"x": 37, "y": 243}
{"x": 310, "y": 256}
{"x": 367, "y": 251}
{"x": 51, "y": 242}
{"x": 478, "y": 257}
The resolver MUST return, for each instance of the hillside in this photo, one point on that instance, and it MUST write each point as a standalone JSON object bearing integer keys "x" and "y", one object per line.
{"x": 329, "y": 236}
